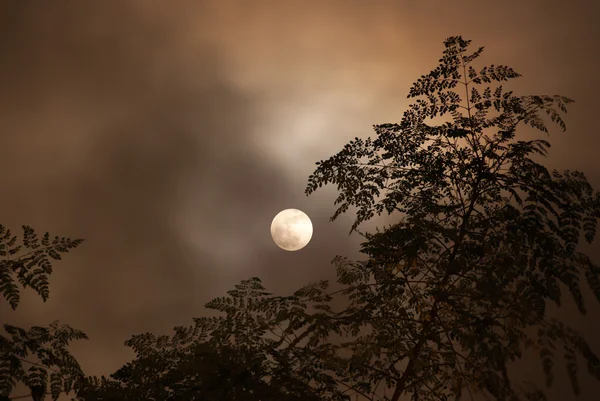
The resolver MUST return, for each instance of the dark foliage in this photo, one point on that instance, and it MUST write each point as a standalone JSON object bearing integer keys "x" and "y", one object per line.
{"x": 29, "y": 263}
{"x": 218, "y": 358}
{"x": 487, "y": 237}
{"x": 203, "y": 373}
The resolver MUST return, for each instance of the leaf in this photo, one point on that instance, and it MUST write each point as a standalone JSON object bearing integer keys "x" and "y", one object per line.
{"x": 32, "y": 267}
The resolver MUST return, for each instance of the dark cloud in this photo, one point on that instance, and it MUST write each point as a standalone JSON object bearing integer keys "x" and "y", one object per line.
{"x": 169, "y": 136}
{"x": 110, "y": 132}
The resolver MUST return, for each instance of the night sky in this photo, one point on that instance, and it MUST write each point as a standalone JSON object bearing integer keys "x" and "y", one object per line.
{"x": 169, "y": 134}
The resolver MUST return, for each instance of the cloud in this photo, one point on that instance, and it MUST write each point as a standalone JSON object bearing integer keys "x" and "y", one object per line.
{"x": 117, "y": 134}
{"x": 127, "y": 127}
{"x": 169, "y": 137}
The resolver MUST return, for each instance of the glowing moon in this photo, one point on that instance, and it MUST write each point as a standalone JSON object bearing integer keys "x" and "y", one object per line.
{"x": 291, "y": 229}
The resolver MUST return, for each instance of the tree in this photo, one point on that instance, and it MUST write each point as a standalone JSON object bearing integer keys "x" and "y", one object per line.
{"x": 204, "y": 373}
{"x": 217, "y": 358}
{"x": 29, "y": 263}
{"x": 487, "y": 237}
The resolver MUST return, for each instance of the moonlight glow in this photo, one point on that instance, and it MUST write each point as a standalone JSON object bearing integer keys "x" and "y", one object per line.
{"x": 291, "y": 229}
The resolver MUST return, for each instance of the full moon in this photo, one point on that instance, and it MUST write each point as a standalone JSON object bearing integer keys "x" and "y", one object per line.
{"x": 291, "y": 229}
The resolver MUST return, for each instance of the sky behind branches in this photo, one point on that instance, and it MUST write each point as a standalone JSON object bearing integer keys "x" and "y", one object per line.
{"x": 168, "y": 135}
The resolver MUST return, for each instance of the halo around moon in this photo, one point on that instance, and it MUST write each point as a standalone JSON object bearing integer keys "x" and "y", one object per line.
{"x": 291, "y": 229}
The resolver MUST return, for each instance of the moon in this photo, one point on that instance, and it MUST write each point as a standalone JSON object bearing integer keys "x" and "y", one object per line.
{"x": 291, "y": 229}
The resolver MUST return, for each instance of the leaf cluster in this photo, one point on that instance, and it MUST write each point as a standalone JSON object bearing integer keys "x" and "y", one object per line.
{"x": 56, "y": 369}
{"x": 28, "y": 263}
{"x": 486, "y": 236}
{"x": 242, "y": 354}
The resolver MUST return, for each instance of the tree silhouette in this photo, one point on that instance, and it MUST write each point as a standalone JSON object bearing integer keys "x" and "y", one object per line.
{"x": 28, "y": 263}
{"x": 204, "y": 373}
{"x": 217, "y": 358}
{"x": 457, "y": 289}
{"x": 487, "y": 237}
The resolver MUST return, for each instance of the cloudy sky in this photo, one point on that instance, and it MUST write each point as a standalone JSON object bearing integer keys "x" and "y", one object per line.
{"x": 169, "y": 134}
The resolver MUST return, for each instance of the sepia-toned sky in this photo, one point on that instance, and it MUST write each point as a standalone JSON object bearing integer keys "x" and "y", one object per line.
{"x": 169, "y": 134}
